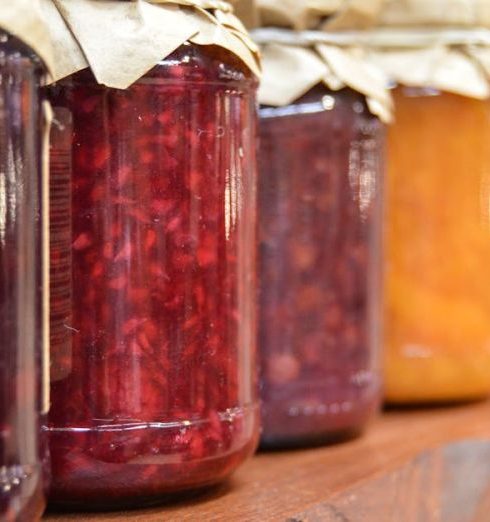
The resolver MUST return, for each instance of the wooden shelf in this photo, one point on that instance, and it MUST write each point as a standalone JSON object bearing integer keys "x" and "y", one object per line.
{"x": 430, "y": 465}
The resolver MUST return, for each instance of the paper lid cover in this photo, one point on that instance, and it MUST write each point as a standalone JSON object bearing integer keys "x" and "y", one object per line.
{"x": 141, "y": 34}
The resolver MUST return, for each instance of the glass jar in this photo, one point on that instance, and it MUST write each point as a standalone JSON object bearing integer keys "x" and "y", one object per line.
{"x": 153, "y": 383}
{"x": 22, "y": 401}
{"x": 320, "y": 218}
{"x": 438, "y": 248}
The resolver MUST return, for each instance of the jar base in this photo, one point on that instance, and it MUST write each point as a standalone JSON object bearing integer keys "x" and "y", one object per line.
{"x": 84, "y": 499}
{"x": 281, "y": 431}
{"x": 194, "y": 495}
{"x": 154, "y": 463}
{"x": 310, "y": 441}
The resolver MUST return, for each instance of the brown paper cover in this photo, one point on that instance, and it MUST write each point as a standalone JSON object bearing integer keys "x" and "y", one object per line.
{"x": 121, "y": 41}
{"x": 362, "y": 14}
{"x": 460, "y": 70}
{"x": 443, "y": 44}
{"x": 434, "y": 13}
{"x": 294, "y": 62}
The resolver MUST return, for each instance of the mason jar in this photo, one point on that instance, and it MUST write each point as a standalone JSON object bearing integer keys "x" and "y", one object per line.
{"x": 23, "y": 285}
{"x": 437, "y": 248}
{"x": 320, "y": 216}
{"x": 153, "y": 383}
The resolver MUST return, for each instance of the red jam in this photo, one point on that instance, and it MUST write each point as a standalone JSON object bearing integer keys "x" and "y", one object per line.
{"x": 22, "y": 449}
{"x": 319, "y": 279}
{"x": 153, "y": 384}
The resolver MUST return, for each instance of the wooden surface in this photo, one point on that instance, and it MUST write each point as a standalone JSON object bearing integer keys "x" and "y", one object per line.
{"x": 430, "y": 465}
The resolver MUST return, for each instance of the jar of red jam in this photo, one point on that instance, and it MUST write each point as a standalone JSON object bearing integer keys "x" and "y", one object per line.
{"x": 320, "y": 191}
{"x": 22, "y": 276}
{"x": 153, "y": 235}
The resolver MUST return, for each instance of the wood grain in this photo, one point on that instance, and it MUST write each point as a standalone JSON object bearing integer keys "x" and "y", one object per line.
{"x": 430, "y": 465}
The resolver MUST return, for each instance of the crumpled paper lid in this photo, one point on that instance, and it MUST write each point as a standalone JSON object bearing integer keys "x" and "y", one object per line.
{"x": 442, "y": 44}
{"x": 22, "y": 19}
{"x": 459, "y": 68}
{"x": 294, "y": 62}
{"x": 362, "y": 14}
{"x": 122, "y": 41}
{"x": 433, "y": 13}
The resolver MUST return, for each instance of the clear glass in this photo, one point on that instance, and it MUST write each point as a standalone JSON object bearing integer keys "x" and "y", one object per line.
{"x": 153, "y": 381}
{"x": 22, "y": 447}
{"x": 438, "y": 248}
{"x": 320, "y": 203}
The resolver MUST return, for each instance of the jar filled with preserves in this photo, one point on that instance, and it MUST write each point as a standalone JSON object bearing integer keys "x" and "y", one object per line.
{"x": 153, "y": 227}
{"x": 320, "y": 196}
{"x": 23, "y": 265}
{"x": 438, "y": 220}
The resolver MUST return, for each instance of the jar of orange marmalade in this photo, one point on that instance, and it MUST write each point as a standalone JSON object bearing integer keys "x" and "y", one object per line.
{"x": 437, "y": 315}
